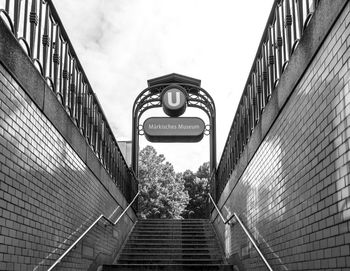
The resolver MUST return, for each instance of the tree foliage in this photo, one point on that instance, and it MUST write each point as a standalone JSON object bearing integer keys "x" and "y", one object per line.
{"x": 196, "y": 184}
{"x": 163, "y": 193}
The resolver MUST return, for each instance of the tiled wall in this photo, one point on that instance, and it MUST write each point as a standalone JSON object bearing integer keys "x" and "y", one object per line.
{"x": 48, "y": 195}
{"x": 294, "y": 195}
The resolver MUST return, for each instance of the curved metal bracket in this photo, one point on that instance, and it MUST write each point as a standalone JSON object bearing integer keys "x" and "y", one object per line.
{"x": 151, "y": 98}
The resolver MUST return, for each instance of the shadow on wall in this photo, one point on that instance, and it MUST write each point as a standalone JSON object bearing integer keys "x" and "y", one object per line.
{"x": 51, "y": 195}
{"x": 297, "y": 185}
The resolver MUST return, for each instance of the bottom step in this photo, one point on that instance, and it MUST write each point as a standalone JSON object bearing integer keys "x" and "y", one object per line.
{"x": 166, "y": 267}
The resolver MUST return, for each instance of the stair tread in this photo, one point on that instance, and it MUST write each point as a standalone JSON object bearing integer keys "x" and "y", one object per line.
{"x": 171, "y": 237}
{"x": 186, "y": 246}
{"x": 165, "y": 264}
{"x": 173, "y": 233}
{"x": 214, "y": 244}
{"x": 159, "y": 242}
{"x": 173, "y": 260}
{"x": 172, "y": 230}
{"x": 173, "y": 220}
{"x": 178, "y": 240}
{"x": 170, "y": 249}
{"x": 186, "y": 254}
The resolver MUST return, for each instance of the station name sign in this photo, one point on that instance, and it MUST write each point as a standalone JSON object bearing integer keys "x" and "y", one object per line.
{"x": 164, "y": 129}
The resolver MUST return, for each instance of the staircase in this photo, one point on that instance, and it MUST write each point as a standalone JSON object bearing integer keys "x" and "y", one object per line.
{"x": 164, "y": 244}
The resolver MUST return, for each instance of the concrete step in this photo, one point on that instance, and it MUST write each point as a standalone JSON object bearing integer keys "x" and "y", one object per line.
{"x": 169, "y": 224}
{"x": 172, "y": 241}
{"x": 213, "y": 250}
{"x": 172, "y": 256}
{"x": 147, "y": 245}
{"x": 184, "y": 233}
{"x": 173, "y": 220}
{"x": 199, "y": 261}
{"x": 166, "y": 230}
{"x": 166, "y": 267}
{"x": 172, "y": 229}
{"x": 189, "y": 224}
{"x": 172, "y": 236}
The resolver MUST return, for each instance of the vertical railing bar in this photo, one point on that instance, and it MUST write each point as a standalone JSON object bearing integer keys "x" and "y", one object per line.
{"x": 90, "y": 120}
{"x": 270, "y": 61}
{"x": 294, "y": 26}
{"x": 56, "y": 62}
{"x": 60, "y": 66}
{"x": 88, "y": 114}
{"x": 287, "y": 21}
{"x": 85, "y": 109}
{"x": 45, "y": 42}
{"x": 79, "y": 100}
{"x": 69, "y": 82}
{"x": 25, "y": 20}
{"x": 33, "y": 19}
{"x": 51, "y": 41}
{"x": 16, "y": 15}
{"x": 307, "y": 7}
{"x": 300, "y": 12}
{"x": 283, "y": 32}
{"x": 64, "y": 75}
{"x": 73, "y": 91}
{"x": 39, "y": 30}
{"x": 7, "y": 6}
{"x": 278, "y": 45}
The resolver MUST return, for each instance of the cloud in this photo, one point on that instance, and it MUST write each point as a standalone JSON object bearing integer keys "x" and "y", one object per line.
{"x": 123, "y": 43}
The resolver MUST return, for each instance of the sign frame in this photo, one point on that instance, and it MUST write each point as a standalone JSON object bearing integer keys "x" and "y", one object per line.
{"x": 174, "y": 130}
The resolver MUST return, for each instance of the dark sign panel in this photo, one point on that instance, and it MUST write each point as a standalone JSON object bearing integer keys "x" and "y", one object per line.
{"x": 160, "y": 129}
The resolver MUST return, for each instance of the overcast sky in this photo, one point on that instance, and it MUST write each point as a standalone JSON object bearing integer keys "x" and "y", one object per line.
{"x": 123, "y": 43}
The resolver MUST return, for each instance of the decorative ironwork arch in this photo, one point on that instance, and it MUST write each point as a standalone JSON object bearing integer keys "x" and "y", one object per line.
{"x": 151, "y": 98}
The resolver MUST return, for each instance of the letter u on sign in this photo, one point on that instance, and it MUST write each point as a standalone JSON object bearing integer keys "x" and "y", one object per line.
{"x": 177, "y": 98}
{"x": 174, "y": 101}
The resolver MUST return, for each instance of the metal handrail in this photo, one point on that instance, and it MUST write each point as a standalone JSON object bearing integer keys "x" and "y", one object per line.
{"x": 234, "y": 215}
{"x": 89, "y": 228}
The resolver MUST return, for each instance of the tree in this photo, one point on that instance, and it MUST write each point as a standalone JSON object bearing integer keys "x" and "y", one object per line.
{"x": 162, "y": 191}
{"x": 197, "y": 187}
{"x": 203, "y": 171}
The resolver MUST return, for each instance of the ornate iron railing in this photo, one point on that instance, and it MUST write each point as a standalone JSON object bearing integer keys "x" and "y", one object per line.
{"x": 38, "y": 28}
{"x": 286, "y": 24}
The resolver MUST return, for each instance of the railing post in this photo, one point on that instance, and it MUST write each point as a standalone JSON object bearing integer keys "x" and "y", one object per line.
{"x": 33, "y": 19}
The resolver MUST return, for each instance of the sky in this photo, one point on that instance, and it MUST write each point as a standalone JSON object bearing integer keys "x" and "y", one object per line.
{"x": 123, "y": 43}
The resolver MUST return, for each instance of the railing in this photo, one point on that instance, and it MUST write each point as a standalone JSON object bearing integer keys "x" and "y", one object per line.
{"x": 227, "y": 221}
{"x": 38, "y": 28}
{"x": 89, "y": 228}
{"x": 285, "y": 27}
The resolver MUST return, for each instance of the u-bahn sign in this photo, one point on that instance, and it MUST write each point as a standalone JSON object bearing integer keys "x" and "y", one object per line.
{"x": 174, "y": 100}
{"x": 160, "y": 129}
